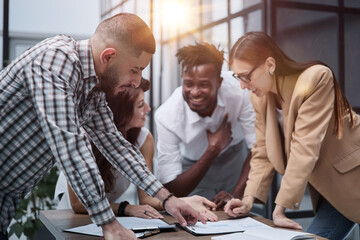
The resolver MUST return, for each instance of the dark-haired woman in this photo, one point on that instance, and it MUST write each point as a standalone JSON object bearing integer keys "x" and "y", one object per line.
{"x": 305, "y": 130}
{"x": 129, "y": 109}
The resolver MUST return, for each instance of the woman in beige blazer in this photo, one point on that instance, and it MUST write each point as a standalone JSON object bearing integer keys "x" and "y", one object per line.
{"x": 306, "y": 131}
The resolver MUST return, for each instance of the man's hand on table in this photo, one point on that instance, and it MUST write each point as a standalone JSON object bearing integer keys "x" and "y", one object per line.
{"x": 203, "y": 205}
{"x": 114, "y": 231}
{"x": 183, "y": 212}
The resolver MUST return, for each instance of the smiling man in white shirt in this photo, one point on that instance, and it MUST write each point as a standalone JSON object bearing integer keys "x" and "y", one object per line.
{"x": 205, "y": 129}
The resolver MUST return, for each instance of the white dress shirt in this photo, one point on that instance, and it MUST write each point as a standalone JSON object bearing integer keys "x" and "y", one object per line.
{"x": 182, "y": 132}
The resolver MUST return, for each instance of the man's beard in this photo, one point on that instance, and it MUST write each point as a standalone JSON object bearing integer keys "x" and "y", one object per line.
{"x": 108, "y": 81}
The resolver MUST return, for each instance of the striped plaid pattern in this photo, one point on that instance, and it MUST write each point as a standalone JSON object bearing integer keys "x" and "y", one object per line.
{"x": 49, "y": 107}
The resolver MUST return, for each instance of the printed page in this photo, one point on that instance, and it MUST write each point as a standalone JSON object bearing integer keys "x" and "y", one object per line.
{"x": 225, "y": 226}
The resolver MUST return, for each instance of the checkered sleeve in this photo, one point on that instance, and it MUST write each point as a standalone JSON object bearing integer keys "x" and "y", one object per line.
{"x": 50, "y": 80}
{"x": 124, "y": 156}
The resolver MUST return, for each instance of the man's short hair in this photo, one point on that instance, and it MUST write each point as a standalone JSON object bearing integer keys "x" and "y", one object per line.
{"x": 199, "y": 54}
{"x": 129, "y": 31}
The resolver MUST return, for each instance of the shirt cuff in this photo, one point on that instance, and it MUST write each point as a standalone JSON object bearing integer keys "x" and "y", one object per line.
{"x": 250, "y": 140}
{"x": 101, "y": 213}
{"x": 154, "y": 187}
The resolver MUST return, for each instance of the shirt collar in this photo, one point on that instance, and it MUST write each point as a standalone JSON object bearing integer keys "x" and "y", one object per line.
{"x": 83, "y": 47}
{"x": 195, "y": 117}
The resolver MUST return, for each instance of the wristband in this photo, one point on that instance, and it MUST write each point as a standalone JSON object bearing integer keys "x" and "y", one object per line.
{"x": 121, "y": 209}
{"x": 167, "y": 198}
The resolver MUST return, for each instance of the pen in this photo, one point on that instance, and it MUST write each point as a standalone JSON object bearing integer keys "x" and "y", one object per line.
{"x": 148, "y": 233}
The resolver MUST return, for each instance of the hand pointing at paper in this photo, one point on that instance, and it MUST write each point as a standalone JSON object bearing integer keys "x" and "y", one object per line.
{"x": 179, "y": 209}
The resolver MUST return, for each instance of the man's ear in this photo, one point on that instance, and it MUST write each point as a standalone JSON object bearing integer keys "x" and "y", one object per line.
{"x": 107, "y": 54}
{"x": 220, "y": 79}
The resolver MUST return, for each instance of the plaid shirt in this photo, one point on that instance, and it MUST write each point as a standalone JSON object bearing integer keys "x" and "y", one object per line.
{"x": 49, "y": 107}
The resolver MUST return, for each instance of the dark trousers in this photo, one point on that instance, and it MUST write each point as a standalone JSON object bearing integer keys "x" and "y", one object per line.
{"x": 3, "y": 236}
{"x": 330, "y": 223}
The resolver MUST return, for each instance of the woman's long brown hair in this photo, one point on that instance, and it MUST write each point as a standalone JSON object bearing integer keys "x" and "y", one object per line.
{"x": 122, "y": 106}
{"x": 256, "y": 47}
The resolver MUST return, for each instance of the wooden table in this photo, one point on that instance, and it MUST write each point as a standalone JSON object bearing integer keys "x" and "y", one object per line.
{"x": 57, "y": 220}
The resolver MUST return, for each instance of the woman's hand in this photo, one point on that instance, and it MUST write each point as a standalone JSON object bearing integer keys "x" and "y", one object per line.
{"x": 281, "y": 220}
{"x": 203, "y": 206}
{"x": 235, "y": 206}
{"x": 143, "y": 211}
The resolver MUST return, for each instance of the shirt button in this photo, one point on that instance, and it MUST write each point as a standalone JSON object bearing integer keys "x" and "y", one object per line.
{"x": 296, "y": 205}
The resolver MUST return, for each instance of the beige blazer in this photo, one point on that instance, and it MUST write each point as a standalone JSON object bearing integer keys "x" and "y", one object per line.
{"x": 310, "y": 153}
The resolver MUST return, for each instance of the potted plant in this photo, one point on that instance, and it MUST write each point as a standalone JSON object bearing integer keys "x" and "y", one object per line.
{"x": 27, "y": 215}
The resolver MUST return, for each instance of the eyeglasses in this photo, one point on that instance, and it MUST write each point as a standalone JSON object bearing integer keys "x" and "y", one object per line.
{"x": 245, "y": 78}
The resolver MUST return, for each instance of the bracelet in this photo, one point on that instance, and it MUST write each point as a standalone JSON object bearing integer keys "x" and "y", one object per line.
{"x": 121, "y": 209}
{"x": 167, "y": 198}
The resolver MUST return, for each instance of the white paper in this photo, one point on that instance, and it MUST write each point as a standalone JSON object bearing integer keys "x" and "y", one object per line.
{"x": 133, "y": 223}
{"x": 226, "y": 226}
{"x": 266, "y": 233}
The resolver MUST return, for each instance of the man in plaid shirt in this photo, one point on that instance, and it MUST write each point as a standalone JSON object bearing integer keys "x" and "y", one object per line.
{"x": 53, "y": 102}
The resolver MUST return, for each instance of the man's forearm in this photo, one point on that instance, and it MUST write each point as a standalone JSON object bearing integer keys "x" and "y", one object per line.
{"x": 162, "y": 194}
{"x": 239, "y": 189}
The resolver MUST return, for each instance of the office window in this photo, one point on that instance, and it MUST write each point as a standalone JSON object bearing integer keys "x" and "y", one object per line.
{"x": 253, "y": 21}
{"x": 128, "y": 6}
{"x": 218, "y": 36}
{"x": 142, "y": 9}
{"x": 213, "y": 10}
{"x": 171, "y": 70}
{"x": 190, "y": 39}
{"x": 237, "y": 29}
{"x": 190, "y": 16}
{"x": 236, "y": 6}
{"x": 249, "y": 3}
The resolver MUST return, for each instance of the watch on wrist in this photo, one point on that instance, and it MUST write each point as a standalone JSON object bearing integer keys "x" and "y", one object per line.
{"x": 121, "y": 209}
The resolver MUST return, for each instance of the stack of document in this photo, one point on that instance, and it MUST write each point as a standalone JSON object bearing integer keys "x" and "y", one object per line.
{"x": 225, "y": 226}
{"x": 136, "y": 224}
{"x": 245, "y": 229}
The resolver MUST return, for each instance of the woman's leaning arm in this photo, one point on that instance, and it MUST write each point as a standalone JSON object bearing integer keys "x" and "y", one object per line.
{"x": 147, "y": 150}
{"x": 75, "y": 202}
{"x": 314, "y": 111}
